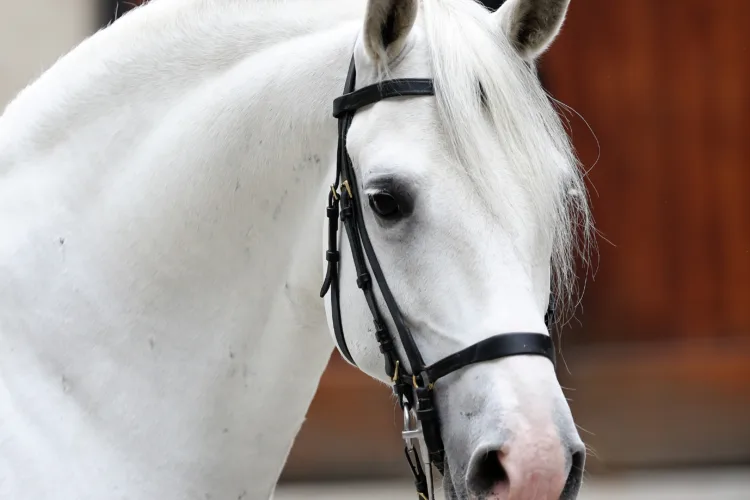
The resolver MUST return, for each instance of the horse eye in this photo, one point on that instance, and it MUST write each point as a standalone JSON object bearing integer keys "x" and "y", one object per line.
{"x": 385, "y": 205}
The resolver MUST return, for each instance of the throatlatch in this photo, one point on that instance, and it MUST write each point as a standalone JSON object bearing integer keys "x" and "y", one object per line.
{"x": 413, "y": 386}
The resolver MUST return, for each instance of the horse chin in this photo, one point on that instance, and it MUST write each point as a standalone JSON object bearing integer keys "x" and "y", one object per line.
{"x": 449, "y": 489}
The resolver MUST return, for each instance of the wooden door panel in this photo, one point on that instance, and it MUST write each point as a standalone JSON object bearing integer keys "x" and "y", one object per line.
{"x": 664, "y": 87}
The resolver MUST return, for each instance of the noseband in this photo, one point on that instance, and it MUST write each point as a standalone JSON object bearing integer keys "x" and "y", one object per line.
{"x": 414, "y": 389}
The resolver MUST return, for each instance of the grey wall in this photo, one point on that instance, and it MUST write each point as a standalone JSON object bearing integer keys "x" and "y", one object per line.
{"x": 35, "y": 33}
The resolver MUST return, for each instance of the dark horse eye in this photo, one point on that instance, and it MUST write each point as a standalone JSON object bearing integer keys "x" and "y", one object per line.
{"x": 385, "y": 205}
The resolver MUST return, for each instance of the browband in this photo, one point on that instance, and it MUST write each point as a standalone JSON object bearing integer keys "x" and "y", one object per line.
{"x": 351, "y": 102}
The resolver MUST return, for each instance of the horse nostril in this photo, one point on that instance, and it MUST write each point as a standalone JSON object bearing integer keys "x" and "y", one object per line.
{"x": 488, "y": 475}
{"x": 549, "y": 470}
{"x": 575, "y": 476}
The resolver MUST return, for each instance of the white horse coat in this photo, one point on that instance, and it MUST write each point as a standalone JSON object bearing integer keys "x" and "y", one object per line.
{"x": 162, "y": 195}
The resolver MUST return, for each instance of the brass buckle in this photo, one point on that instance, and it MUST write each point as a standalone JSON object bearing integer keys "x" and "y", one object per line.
{"x": 345, "y": 185}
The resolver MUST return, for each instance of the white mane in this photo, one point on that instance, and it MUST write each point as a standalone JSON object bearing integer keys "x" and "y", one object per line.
{"x": 469, "y": 59}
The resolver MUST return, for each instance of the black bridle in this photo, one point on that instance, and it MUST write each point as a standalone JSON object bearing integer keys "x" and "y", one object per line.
{"x": 415, "y": 390}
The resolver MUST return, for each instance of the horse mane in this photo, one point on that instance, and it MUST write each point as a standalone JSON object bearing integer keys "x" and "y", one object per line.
{"x": 486, "y": 92}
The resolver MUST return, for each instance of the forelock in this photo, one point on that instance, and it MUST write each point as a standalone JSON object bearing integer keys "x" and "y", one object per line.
{"x": 486, "y": 92}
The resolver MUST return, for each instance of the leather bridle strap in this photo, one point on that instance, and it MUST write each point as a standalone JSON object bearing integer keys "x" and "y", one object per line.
{"x": 416, "y": 363}
{"x": 352, "y": 101}
{"x": 498, "y": 346}
{"x": 413, "y": 385}
{"x": 332, "y": 274}
{"x": 351, "y": 214}
{"x": 332, "y": 212}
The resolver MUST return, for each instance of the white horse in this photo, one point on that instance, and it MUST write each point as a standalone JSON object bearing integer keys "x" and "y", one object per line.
{"x": 162, "y": 191}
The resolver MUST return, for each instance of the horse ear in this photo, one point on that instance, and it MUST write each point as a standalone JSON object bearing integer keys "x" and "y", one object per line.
{"x": 387, "y": 24}
{"x": 531, "y": 25}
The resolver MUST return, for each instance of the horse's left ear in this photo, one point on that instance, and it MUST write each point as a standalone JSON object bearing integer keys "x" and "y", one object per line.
{"x": 387, "y": 24}
{"x": 531, "y": 25}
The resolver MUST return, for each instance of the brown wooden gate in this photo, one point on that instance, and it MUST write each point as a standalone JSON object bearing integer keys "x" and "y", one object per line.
{"x": 661, "y": 365}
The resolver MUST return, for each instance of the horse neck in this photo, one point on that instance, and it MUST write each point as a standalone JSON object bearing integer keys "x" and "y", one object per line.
{"x": 172, "y": 241}
{"x": 154, "y": 56}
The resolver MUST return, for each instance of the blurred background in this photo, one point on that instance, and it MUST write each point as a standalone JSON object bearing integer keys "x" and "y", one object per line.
{"x": 657, "y": 365}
